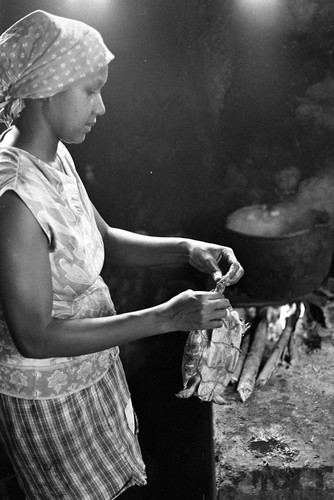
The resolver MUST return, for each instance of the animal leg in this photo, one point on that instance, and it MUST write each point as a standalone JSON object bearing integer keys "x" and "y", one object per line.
{"x": 191, "y": 387}
{"x": 220, "y": 400}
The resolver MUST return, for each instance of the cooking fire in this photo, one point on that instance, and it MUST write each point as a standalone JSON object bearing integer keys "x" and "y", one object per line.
{"x": 277, "y": 335}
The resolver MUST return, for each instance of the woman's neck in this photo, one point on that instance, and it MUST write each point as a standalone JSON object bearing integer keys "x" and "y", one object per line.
{"x": 32, "y": 134}
{"x": 38, "y": 145}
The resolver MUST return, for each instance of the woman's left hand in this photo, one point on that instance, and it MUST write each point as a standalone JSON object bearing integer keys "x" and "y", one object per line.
{"x": 205, "y": 257}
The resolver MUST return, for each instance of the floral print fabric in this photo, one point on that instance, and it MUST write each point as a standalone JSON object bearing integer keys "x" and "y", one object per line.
{"x": 61, "y": 205}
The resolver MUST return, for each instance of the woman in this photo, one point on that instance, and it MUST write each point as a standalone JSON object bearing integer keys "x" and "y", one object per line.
{"x": 66, "y": 420}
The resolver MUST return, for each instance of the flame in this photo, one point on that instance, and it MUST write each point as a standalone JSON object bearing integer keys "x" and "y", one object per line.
{"x": 285, "y": 312}
{"x": 302, "y": 309}
{"x": 277, "y": 317}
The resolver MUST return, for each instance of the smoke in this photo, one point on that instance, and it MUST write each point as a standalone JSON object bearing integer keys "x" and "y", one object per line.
{"x": 317, "y": 194}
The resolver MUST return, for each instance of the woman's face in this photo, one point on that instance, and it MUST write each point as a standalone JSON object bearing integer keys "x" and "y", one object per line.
{"x": 72, "y": 113}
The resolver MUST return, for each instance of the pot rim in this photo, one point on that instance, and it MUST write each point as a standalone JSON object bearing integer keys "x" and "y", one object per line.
{"x": 282, "y": 236}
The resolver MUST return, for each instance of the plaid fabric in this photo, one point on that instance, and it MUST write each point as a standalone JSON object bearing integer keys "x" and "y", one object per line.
{"x": 77, "y": 447}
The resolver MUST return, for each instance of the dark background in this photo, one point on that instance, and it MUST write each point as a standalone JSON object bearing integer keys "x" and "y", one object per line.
{"x": 204, "y": 106}
{"x": 209, "y": 103}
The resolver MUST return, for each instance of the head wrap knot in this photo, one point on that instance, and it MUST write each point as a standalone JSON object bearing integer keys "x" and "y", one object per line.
{"x": 10, "y": 107}
{"x": 42, "y": 55}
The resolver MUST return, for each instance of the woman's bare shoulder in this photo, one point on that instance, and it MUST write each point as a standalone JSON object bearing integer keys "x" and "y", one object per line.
{"x": 18, "y": 226}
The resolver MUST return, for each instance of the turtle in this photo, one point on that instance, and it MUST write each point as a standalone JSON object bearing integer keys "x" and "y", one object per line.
{"x": 210, "y": 357}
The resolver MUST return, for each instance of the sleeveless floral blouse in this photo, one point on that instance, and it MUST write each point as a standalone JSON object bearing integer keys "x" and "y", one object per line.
{"x": 61, "y": 205}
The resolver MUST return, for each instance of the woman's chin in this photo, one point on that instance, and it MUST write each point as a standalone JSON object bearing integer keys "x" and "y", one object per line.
{"x": 75, "y": 140}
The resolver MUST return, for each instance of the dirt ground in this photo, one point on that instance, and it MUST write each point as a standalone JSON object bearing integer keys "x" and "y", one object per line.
{"x": 279, "y": 444}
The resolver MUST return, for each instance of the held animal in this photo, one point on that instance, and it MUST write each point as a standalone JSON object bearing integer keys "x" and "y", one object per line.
{"x": 210, "y": 357}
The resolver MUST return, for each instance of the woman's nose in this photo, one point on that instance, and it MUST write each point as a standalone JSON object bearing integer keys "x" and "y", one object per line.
{"x": 100, "y": 107}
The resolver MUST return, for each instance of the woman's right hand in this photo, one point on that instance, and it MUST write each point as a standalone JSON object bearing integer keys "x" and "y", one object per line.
{"x": 193, "y": 310}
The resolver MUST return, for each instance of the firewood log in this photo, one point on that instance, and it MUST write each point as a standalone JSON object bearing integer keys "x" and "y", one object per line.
{"x": 278, "y": 350}
{"x": 296, "y": 341}
{"x": 253, "y": 360}
{"x": 275, "y": 356}
{"x": 293, "y": 350}
{"x": 242, "y": 356}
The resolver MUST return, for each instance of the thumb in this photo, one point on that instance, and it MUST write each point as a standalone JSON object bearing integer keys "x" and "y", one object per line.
{"x": 217, "y": 275}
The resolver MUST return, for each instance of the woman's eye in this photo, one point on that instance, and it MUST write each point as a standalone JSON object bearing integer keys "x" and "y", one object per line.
{"x": 92, "y": 91}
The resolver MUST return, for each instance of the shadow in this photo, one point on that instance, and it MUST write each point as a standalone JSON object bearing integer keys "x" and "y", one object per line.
{"x": 176, "y": 435}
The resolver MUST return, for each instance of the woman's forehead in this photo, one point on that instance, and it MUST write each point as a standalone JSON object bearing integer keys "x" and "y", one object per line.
{"x": 98, "y": 78}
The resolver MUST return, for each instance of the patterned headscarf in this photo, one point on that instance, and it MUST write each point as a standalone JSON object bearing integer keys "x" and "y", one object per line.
{"x": 42, "y": 55}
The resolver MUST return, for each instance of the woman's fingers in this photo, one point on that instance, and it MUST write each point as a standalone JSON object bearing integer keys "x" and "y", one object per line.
{"x": 198, "y": 310}
{"x": 235, "y": 272}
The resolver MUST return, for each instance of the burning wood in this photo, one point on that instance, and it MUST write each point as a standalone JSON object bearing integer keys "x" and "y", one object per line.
{"x": 242, "y": 356}
{"x": 253, "y": 360}
{"x": 279, "y": 348}
{"x": 277, "y": 335}
{"x": 293, "y": 351}
{"x": 295, "y": 339}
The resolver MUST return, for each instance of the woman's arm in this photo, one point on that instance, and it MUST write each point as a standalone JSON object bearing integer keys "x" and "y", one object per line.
{"x": 131, "y": 249}
{"x": 26, "y": 297}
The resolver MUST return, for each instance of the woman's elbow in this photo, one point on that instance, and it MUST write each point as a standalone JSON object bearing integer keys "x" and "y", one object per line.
{"x": 32, "y": 350}
{"x": 31, "y": 346}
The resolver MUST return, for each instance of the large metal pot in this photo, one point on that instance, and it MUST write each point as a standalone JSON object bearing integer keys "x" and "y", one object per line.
{"x": 286, "y": 251}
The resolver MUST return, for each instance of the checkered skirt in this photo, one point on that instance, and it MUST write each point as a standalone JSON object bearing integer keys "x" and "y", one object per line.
{"x": 74, "y": 447}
